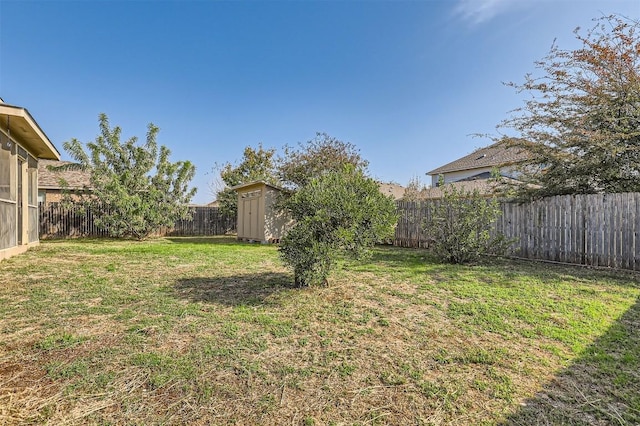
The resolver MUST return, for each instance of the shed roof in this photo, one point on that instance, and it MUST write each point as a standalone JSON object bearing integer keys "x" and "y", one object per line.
{"x": 255, "y": 182}
{"x": 495, "y": 155}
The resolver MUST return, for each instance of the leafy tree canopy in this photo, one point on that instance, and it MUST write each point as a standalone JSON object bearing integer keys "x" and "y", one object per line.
{"x": 581, "y": 125}
{"x": 135, "y": 189}
{"x": 293, "y": 169}
{"x": 257, "y": 164}
{"x": 321, "y": 154}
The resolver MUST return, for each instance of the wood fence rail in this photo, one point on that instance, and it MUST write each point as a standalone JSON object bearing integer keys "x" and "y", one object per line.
{"x": 59, "y": 221}
{"x": 593, "y": 229}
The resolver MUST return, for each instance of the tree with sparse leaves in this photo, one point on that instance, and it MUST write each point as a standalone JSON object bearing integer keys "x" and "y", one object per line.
{"x": 337, "y": 212}
{"x": 135, "y": 189}
{"x": 581, "y": 126}
{"x": 459, "y": 226}
{"x": 415, "y": 190}
{"x": 257, "y": 164}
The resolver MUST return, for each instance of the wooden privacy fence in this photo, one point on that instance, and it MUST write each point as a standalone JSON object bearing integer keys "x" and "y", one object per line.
{"x": 594, "y": 229}
{"x": 58, "y": 221}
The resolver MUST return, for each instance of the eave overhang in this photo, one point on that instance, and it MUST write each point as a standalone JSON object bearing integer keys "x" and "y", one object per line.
{"x": 17, "y": 122}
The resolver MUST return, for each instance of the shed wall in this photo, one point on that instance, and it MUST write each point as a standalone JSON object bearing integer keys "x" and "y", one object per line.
{"x": 276, "y": 222}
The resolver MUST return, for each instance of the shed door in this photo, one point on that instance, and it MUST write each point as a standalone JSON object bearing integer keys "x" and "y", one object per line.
{"x": 251, "y": 218}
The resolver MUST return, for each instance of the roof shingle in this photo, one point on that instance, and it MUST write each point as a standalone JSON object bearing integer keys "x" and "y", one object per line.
{"x": 50, "y": 179}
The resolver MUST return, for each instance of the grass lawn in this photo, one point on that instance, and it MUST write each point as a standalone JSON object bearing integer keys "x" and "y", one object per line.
{"x": 210, "y": 331}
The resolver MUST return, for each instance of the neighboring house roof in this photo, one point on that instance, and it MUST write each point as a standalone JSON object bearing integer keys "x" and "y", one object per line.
{"x": 49, "y": 178}
{"x": 395, "y": 190}
{"x": 23, "y": 128}
{"x": 495, "y": 155}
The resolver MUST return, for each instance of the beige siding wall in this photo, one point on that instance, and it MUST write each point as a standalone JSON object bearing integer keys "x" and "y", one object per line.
{"x": 456, "y": 176}
{"x": 465, "y": 174}
{"x": 276, "y": 223}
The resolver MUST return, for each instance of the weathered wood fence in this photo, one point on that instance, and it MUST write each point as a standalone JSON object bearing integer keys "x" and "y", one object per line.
{"x": 595, "y": 230}
{"x": 59, "y": 221}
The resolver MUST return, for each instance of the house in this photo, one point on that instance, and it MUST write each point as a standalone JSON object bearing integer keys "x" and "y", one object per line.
{"x": 22, "y": 145}
{"x": 258, "y": 218}
{"x": 473, "y": 171}
{"x": 480, "y": 164}
{"x": 51, "y": 178}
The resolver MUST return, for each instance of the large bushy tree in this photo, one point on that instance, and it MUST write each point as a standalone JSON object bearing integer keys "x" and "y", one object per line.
{"x": 581, "y": 126}
{"x": 335, "y": 213}
{"x": 257, "y": 164}
{"x": 135, "y": 189}
{"x": 317, "y": 156}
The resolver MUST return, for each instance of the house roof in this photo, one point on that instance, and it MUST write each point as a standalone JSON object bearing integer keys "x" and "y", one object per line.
{"x": 395, "y": 190}
{"x": 50, "y": 179}
{"x": 23, "y": 128}
{"x": 495, "y": 155}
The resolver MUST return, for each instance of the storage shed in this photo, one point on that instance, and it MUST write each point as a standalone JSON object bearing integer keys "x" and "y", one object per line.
{"x": 258, "y": 219}
{"x": 22, "y": 143}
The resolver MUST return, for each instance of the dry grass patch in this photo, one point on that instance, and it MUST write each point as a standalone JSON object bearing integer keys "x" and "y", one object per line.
{"x": 210, "y": 331}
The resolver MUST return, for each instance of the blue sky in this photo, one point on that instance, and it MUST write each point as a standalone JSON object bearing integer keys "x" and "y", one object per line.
{"x": 408, "y": 82}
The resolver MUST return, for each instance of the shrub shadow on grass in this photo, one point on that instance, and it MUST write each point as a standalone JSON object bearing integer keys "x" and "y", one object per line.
{"x": 598, "y": 388}
{"x": 234, "y": 290}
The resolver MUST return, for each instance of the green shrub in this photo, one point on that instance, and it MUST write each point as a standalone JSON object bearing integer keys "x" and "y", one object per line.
{"x": 459, "y": 226}
{"x": 335, "y": 213}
